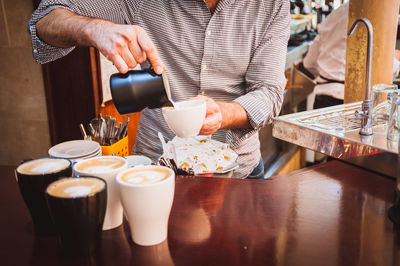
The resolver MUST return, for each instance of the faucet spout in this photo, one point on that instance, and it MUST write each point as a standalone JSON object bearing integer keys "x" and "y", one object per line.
{"x": 366, "y": 112}
{"x": 370, "y": 35}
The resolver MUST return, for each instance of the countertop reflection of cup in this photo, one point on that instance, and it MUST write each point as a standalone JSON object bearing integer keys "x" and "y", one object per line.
{"x": 107, "y": 168}
{"x": 158, "y": 255}
{"x": 195, "y": 228}
{"x": 147, "y": 193}
{"x": 186, "y": 118}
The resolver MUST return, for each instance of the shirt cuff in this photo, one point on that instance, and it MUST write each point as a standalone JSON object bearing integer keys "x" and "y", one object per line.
{"x": 236, "y": 136}
{"x": 262, "y": 103}
{"x": 43, "y": 52}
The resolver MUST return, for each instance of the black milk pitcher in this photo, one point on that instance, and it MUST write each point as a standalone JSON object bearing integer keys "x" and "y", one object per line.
{"x": 137, "y": 89}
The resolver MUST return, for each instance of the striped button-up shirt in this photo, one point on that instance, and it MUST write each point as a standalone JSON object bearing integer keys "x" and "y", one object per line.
{"x": 237, "y": 53}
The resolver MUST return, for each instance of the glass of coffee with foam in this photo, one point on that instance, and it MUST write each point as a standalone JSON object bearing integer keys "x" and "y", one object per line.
{"x": 147, "y": 193}
{"x": 33, "y": 177}
{"x": 78, "y": 207}
{"x": 107, "y": 168}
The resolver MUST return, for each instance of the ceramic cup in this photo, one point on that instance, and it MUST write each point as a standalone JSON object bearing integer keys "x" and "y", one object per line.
{"x": 147, "y": 193}
{"x": 186, "y": 119}
{"x": 33, "y": 177}
{"x": 107, "y": 168}
{"x": 78, "y": 206}
{"x": 136, "y": 160}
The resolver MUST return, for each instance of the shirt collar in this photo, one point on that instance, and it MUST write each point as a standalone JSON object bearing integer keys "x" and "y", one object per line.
{"x": 223, "y": 4}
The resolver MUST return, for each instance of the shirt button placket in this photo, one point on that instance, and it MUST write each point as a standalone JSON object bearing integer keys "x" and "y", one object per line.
{"x": 207, "y": 57}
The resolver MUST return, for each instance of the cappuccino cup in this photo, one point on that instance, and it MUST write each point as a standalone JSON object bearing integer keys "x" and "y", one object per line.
{"x": 107, "y": 168}
{"x": 33, "y": 177}
{"x": 186, "y": 118}
{"x": 147, "y": 193}
{"x": 78, "y": 207}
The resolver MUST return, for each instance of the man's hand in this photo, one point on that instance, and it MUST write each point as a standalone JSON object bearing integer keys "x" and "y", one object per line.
{"x": 221, "y": 115}
{"x": 124, "y": 45}
{"x": 213, "y": 120}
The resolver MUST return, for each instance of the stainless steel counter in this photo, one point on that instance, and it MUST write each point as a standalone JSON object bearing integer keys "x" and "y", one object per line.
{"x": 334, "y": 131}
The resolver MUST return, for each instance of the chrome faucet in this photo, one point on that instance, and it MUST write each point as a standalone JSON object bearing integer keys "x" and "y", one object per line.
{"x": 366, "y": 108}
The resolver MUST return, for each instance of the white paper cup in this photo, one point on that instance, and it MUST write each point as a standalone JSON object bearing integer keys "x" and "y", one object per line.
{"x": 147, "y": 206}
{"x": 114, "y": 212}
{"x": 136, "y": 160}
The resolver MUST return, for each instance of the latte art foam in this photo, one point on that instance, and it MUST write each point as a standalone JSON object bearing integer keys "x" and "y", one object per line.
{"x": 75, "y": 187}
{"x": 100, "y": 165}
{"x": 43, "y": 166}
{"x": 145, "y": 175}
{"x": 78, "y": 191}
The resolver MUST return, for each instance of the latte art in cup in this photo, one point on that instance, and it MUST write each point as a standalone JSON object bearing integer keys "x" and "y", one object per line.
{"x": 100, "y": 165}
{"x": 43, "y": 166}
{"x": 75, "y": 187}
{"x": 145, "y": 175}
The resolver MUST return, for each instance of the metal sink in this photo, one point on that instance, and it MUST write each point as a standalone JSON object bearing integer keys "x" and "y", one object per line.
{"x": 334, "y": 131}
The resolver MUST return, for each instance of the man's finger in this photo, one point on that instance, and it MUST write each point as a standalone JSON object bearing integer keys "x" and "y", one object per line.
{"x": 137, "y": 52}
{"x": 207, "y": 131}
{"x": 119, "y": 63}
{"x": 128, "y": 58}
{"x": 151, "y": 53}
{"x": 210, "y": 125}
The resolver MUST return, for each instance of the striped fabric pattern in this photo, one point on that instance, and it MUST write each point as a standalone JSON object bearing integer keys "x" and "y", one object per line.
{"x": 236, "y": 54}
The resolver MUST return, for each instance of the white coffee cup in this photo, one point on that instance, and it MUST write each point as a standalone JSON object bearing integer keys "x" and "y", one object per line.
{"x": 107, "y": 168}
{"x": 147, "y": 193}
{"x": 186, "y": 119}
{"x": 136, "y": 160}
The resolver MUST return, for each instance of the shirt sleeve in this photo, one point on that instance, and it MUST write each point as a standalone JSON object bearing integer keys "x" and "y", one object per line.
{"x": 43, "y": 52}
{"x": 265, "y": 76}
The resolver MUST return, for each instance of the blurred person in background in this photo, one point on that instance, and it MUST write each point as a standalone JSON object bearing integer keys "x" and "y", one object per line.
{"x": 326, "y": 59}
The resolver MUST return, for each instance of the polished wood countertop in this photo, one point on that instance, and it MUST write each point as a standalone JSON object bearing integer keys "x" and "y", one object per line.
{"x": 329, "y": 214}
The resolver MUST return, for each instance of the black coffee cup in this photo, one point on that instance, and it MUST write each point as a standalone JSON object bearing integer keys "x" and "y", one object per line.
{"x": 137, "y": 89}
{"x": 33, "y": 177}
{"x": 78, "y": 218}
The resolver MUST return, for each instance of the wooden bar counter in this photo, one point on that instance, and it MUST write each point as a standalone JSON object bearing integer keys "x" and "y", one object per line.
{"x": 329, "y": 214}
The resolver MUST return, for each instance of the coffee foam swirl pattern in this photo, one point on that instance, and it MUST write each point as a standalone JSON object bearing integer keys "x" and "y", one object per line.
{"x": 75, "y": 187}
{"x": 43, "y": 166}
{"x": 144, "y": 176}
{"x": 100, "y": 165}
